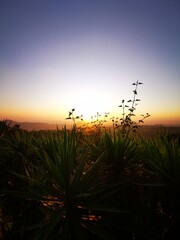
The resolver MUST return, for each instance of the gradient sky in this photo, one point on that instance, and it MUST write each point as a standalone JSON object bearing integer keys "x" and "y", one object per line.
{"x": 61, "y": 54}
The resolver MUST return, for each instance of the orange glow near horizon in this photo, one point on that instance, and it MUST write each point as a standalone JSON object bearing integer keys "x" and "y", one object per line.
{"x": 57, "y": 117}
{"x": 86, "y": 104}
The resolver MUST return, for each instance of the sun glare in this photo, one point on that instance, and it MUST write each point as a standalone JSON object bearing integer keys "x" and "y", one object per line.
{"x": 89, "y": 105}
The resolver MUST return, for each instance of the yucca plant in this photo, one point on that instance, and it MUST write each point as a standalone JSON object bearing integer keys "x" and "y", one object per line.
{"x": 161, "y": 158}
{"x": 18, "y": 151}
{"x": 121, "y": 151}
{"x": 65, "y": 189}
{"x": 4, "y": 128}
{"x": 16, "y": 155}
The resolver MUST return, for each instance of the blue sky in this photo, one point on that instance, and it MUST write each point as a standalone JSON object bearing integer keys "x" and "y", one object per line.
{"x": 57, "y": 55}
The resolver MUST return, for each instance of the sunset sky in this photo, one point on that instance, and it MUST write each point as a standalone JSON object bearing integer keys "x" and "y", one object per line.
{"x": 56, "y": 55}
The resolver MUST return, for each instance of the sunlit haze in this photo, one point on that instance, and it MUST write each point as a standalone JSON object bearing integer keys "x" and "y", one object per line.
{"x": 56, "y": 55}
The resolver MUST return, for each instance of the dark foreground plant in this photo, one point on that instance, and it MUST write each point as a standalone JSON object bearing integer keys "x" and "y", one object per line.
{"x": 161, "y": 159}
{"x": 121, "y": 150}
{"x": 76, "y": 185}
{"x": 68, "y": 192}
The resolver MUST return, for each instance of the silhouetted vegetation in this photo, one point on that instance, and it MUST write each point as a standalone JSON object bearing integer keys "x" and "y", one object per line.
{"x": 109, "y": 183}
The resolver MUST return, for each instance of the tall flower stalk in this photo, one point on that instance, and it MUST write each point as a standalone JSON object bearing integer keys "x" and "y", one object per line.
{"x": 126, "y": 122}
